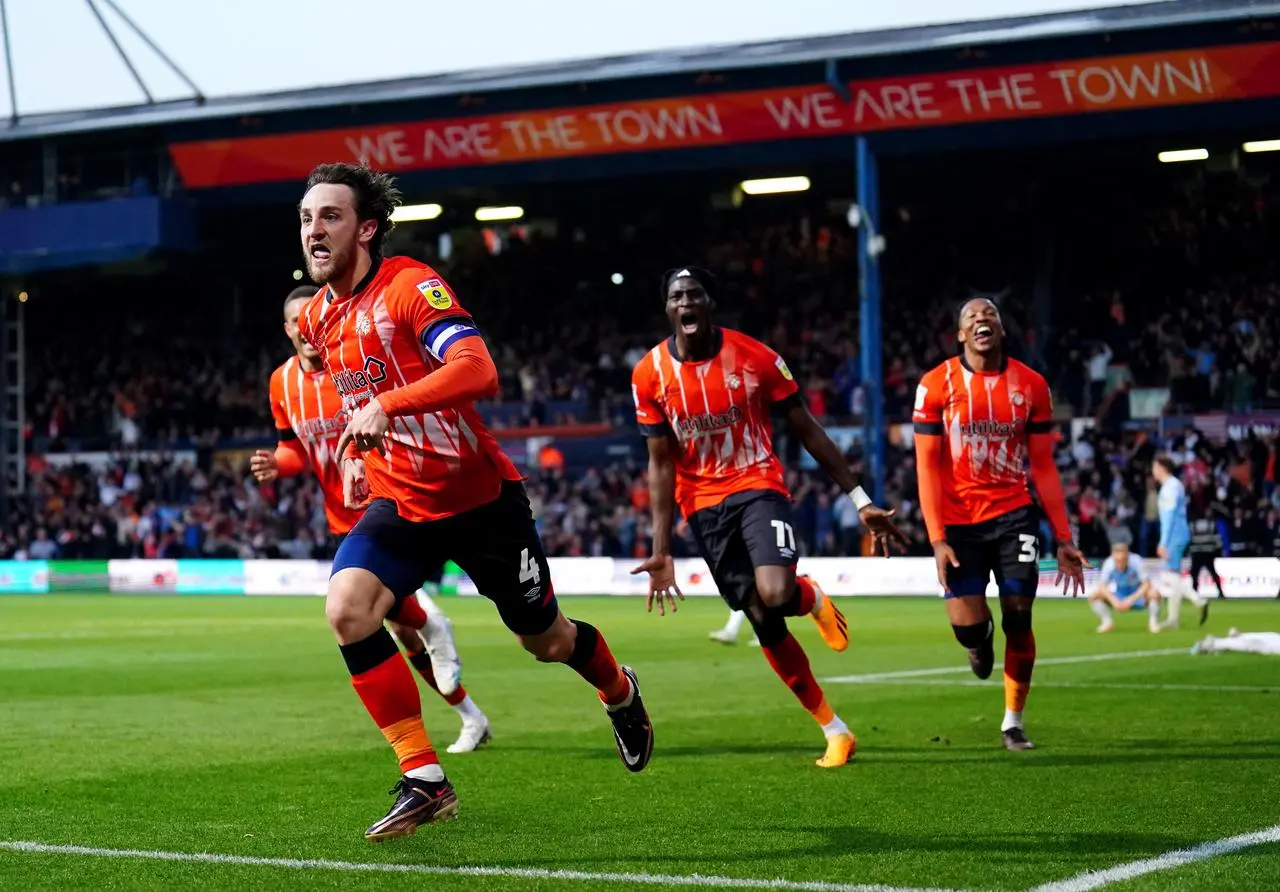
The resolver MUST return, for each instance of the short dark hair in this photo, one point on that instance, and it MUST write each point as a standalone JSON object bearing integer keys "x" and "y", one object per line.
{"x": 302, "y": 291}
{"x": 376, "y": 194}
{"x": 1167, "y": 463}
{"x": 968, "y": 300}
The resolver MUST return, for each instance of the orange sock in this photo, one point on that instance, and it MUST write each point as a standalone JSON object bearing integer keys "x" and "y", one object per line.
{"x": 592, "y": 659}
{"x": 1019, "y": 661}
{"x": 805, "y": 598}
{"x": 789, "y": 661}
{"x": 382, "y": 679}
{"x": 422, "y": 663}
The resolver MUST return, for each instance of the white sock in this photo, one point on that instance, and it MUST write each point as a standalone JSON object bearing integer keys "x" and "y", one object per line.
{"x": 818, "y": 598}
{"x": 1011, "y": 720}
{"x": 468, "y": 709}
{"x": 733, "y": 625}
{"x": 835, "y": 727}
{"x": 1102, "y": 609}
{"x": 432, "y": 773}
{"x": 631, "y": 695}
{"x": 1173, "y": 595}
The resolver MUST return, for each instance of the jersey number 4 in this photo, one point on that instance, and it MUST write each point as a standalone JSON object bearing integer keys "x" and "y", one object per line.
{"x": 1029, "y": 552}
{"x": 529, "y": 571}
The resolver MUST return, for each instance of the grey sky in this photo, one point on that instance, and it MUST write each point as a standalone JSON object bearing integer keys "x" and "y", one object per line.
{"x": 63, "y": 60}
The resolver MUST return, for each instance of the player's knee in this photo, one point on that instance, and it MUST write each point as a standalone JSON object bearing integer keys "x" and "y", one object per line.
{"x": 770, "y": 628}
{"x": 356, "y": 605}
{"x": 775, "y": 591}
{"x": 1016, "y": 623}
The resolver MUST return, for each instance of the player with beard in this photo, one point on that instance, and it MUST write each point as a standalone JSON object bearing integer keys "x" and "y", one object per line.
{"x": 703, "y": 402}
{"x": 409, "y": 363}
{"x": 309, "y": 420}
{"x": 979, "y": 417}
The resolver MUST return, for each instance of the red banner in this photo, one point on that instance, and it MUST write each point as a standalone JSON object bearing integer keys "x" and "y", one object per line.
{"x": 1104, "y": 84}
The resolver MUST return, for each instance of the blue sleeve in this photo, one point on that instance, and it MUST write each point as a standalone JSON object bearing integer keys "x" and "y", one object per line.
{"x": 1168, "y": 517}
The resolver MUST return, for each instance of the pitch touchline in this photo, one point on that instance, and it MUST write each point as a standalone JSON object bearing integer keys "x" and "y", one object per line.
{"x": 1097, "y": 879}
{"x": 523, "y": 873}
{"x": 1082, "y": 685}
{"x": 1049, "y": 661}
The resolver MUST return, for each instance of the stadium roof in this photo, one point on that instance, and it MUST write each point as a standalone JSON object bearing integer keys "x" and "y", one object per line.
{"x": 864, "y": 44}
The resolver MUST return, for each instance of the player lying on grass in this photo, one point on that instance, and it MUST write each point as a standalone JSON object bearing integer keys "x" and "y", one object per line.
{"x": 1267, "y": 643}
{"x": 703, "y": 401}
{"x": 309, "y": 420}
{"x": 409, "y": 363}
{"x": 979, "y": 417}
{"x": 1124, "y": 586}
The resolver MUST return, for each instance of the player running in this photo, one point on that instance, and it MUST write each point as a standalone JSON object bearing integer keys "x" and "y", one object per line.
{"x": 978, "y": 418}
{"x": 1206, "y": 545}
{"x": 1124, "y": 586}
{"x": 1175, "y": 536}
{"x": 409, "y": 363}
{"x": 703, "y": 399}
{"x": 309, "y": 420}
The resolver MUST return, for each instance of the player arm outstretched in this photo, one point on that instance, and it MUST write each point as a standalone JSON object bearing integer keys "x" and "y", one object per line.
{"x": 813, "y": 436}
{"x": 656, "y": 429}
{"x": 1044, "y": 474}
{"x": 660, "y": 566}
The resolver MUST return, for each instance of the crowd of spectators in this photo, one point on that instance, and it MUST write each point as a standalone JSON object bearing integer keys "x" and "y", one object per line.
{"x": 205, "y": 505}
{"x": 1176, "y": 288}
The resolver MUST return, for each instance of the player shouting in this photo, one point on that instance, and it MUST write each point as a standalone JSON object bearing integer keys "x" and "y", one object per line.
{"x": 309, "y": 420}
{"x": 703, "y": 399}
{"x": 978, "y": 418}
{"x": 409, "y": 363}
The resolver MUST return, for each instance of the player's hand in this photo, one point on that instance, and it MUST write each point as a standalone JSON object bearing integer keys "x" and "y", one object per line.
{"x": 944, "y": 557}
{"x": 1162, "y": 552}
{"x": 263, "y": 466}
{"x": 662, "y": 583}
{"x": 355, "y": 485}
{"x": 884, "y": 532}
{"x": 367, "y": 429}
{"x": 1071, "y": 567}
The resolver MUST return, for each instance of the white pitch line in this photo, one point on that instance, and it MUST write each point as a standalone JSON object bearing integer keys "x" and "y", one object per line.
{"x": 522, "y": 873}
{"x": 1050, "y": 661}
{"x": 1082, "y": 685}
{"x": 1097, "y": 879}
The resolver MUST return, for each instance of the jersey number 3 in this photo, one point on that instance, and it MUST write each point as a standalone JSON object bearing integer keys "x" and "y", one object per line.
{"x": 1029, "y": 552}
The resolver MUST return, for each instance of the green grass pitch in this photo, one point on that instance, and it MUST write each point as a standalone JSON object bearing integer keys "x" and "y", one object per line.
{"x": 228, "y": 726}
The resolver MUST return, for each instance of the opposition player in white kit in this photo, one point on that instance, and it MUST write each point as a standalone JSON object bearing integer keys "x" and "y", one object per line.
{"x": 1124, "y": 586}
{"x": 1175, "y": 536}
{"x": 1267, "y": 643}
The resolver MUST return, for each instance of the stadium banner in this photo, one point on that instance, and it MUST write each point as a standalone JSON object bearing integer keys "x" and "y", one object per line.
{"x": 211, "y": 577}
{"x": 24, "y": 577}
{"x": 79, "y": 576}
{"x": 856, "y": 576}
{"x": 1071, "y": 87}
{"x": 142, "y": 576}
